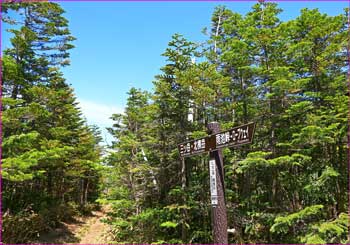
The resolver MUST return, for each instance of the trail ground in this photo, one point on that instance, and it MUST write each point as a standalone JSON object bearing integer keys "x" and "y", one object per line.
{"x": 83, "y": 230}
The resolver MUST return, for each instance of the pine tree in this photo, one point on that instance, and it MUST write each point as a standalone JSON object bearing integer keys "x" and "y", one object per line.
{"x": 50, "y": 157}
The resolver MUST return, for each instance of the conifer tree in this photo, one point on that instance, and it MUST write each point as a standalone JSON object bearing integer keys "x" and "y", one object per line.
{"x": 50, "y": 158}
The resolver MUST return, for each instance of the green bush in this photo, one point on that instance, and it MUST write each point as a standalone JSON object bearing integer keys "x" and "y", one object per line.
{"x": 88, "y": 208}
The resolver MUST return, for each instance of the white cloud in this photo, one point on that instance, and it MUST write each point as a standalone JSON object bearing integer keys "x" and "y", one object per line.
{"x": 99, "y": 114}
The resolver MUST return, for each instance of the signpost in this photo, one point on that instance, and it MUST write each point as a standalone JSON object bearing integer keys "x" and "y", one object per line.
{"x": 213, "y": 143}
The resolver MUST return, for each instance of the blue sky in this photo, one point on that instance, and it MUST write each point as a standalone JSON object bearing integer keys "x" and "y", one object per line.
{"x": 119, "y": 45}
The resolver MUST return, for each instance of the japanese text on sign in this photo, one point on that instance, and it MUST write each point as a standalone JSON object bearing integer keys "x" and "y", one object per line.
{"x": 193, "y": 147}
{"x": 233, "y": 137}
{"x": 213, "y": 184}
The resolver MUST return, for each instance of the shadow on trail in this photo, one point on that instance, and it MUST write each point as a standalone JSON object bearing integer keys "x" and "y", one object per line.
{"x": 62, "y": 234}
{"x": 84, "y": 230}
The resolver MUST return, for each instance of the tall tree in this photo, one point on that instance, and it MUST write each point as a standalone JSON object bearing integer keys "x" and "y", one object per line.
{"x": 50, "y": 157}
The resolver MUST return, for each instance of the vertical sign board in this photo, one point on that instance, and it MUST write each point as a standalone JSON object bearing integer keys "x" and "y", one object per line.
{"x": 213, "y": 185}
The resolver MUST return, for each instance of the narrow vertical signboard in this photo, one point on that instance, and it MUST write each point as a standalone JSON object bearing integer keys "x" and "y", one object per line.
{"x": 213, "y": 185}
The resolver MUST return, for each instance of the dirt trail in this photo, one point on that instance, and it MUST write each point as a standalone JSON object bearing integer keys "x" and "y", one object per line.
{"x": 83, "y": 230}
{"x": 96, "y": 231}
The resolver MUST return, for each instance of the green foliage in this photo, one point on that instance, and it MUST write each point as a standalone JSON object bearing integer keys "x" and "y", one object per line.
{"x": 50, "y": 157}
{"x": 168, "y": 224}
{"x": 335, "y": 231}
{"x": 283, "y": 223}
{"x": 289, "y": 77}
{"x": 289, "y": 186}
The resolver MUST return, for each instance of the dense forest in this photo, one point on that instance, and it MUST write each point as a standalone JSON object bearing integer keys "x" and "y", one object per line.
{"x": 289, "y": 186}
{"x": 50, "y": 156}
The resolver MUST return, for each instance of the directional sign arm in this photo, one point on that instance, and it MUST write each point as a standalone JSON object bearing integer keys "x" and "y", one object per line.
{"x": 233, "y": 137}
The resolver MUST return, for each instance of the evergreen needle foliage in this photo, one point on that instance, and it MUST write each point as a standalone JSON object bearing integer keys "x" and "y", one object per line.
{"x": 290, "y": 185}
{"x": 50, "y": 157}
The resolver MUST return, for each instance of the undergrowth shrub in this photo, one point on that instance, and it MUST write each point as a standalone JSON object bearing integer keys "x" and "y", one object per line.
{"x": 25, "y": 226}
{"x": 21, "y": 227}
{"x": 88, "y": 208}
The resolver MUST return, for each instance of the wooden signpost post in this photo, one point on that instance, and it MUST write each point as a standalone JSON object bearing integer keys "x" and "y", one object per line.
{"x": 213, "y": 143}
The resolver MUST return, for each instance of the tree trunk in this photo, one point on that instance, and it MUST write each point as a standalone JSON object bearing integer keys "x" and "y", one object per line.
{"x": 86, "y": 191}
